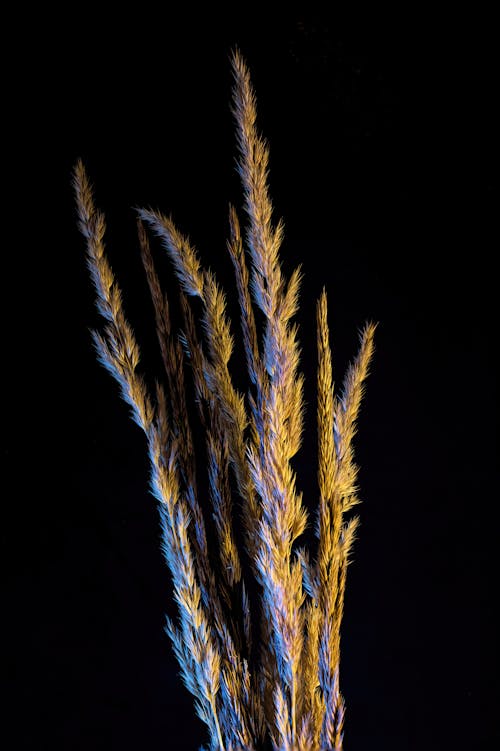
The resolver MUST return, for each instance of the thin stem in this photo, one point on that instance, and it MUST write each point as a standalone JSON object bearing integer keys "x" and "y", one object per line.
{"x": 219, "y": 734}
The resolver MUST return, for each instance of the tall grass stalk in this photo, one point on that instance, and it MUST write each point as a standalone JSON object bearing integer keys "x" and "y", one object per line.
{"x": 280, "y": 685}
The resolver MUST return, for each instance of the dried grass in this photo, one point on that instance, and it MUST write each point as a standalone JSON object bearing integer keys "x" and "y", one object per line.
{"x": 286, "y": 690}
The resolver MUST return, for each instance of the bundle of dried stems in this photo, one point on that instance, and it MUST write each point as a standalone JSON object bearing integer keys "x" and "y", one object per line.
{"x": 283, "y": 685}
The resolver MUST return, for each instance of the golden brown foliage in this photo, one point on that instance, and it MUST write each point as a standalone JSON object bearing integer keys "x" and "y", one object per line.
{"x": 286, "y": 686}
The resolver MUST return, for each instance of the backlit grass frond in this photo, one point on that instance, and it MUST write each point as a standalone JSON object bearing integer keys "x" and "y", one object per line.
{"x": 257, "y": 636}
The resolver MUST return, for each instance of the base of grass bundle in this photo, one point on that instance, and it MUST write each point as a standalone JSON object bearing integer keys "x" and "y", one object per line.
{"x": 257, "y": 636}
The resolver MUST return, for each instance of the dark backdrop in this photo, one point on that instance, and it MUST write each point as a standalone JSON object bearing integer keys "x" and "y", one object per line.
{"x": 381, "y": 137}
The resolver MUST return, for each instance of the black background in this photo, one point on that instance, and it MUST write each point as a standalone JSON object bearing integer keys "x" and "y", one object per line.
{"x": 381, "y": 137}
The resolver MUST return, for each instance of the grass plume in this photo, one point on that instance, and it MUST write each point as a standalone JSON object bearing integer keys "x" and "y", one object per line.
{"x": 258, "y": 631}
